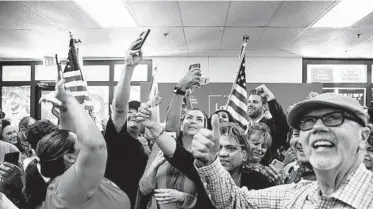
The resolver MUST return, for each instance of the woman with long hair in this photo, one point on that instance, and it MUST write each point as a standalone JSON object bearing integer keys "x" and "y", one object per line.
{"x": 74, "y": 161}
{"x": 171, "y": 188}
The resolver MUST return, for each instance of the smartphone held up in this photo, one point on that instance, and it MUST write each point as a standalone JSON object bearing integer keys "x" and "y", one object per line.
{"x": 143, "y": 37}
{"x": 203, "y": 80}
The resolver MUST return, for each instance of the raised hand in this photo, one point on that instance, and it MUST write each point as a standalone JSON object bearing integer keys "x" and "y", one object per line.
{"x": 158, "y": 160}
{"x": 265, "y": 92}
{"x": 59, "y": 95}
{"x": 132, "y": 56}
{"x": 165, "y": 196}
{"x": 205, "y": 144}
{"x": 143, "y": 116}
{"x": 190, "y": 79}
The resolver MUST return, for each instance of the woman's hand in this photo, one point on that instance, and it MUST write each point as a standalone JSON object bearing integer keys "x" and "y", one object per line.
{"x": 165, "y": 196}
{"x": 158, "y": 160}
{"x": 143, "y": 116}
{"x": 271, "y": 173}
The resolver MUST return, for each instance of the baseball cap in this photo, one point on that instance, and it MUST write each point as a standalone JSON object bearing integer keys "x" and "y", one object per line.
{"x": 327, "y": 100}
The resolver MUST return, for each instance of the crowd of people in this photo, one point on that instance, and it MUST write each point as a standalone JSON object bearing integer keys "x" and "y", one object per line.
{"x": 318, "y": 154}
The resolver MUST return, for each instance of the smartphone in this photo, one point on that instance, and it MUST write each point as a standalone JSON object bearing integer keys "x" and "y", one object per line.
{"x": 12, "y": 158}
{"x": 143, "y": 37}
{"x": 278, "y": 165}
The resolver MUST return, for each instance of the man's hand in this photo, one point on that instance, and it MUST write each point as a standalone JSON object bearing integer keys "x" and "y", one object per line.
{"x": 265, "y": 92}
{"x": 133, "y": 57}
{"x": 205, "y": 144}
{"x": 190, "y": 79}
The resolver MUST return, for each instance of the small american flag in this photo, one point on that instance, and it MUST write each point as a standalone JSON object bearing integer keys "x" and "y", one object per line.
{"x": 237, "y": 102}
{"x": 73, "y": 76}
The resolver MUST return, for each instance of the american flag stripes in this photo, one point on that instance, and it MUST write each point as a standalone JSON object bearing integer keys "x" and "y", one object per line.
{"x": 73, "y": 76}
{"x": 237, "y": 102}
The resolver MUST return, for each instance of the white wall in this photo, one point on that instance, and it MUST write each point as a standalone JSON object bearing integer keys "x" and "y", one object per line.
{"x": 224, "y": 69}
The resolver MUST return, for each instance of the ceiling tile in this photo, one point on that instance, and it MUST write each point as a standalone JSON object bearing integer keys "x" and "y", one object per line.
{"x": 349, "y": 39}
{"x": 16, "y": 15}
{"x": 232, "y": 37}
{"x": 251, "y": 13}
{"x": 314, "y": 38}
{"x": 203, "y": 37}
{"x": 203, "y": 53}
{"x": 174, "y": 40}
{"x": 299, "y": 13}
{"x": 269, "y": 53}
{"x": 66, "y": 13}
{"x": 277, "y": 37}
{"x": 168, "y": 53}
{"x": 367, "y": 22}
{"x": 229, "y": 53}
{"x": 155, "y": 13}
{"x": 203, "y": 13}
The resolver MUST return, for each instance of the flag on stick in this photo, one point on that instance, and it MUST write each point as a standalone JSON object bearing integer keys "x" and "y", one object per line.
{"x": 237, "y": 102}
{"x": 74, "y": 80}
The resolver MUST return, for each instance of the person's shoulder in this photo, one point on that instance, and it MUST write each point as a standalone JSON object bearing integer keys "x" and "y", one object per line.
{"x": 9, "y": 147}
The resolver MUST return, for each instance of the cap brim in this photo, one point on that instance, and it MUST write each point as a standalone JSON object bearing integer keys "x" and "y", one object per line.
{"x": 307, "y": 106}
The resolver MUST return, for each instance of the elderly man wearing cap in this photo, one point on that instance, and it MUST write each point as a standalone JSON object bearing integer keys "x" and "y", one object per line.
{"x": 333, "y": 133}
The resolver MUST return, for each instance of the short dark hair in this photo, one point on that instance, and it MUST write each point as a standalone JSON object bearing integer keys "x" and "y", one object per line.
{"x": 256, "y": 92}
{"x": 38, "y": 130}
{"x": 50, "y": 152}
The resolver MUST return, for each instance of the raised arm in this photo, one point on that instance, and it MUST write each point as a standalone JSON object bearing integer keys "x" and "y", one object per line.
{"x": 279, "y": 119}
{"x": 119, "y": 108}
{"x": 147, "y": 183}
{"x": 174, "y": 111}
{"x": 90, "y": 164}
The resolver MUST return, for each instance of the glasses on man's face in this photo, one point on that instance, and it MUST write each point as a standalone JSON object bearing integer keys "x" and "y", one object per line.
{"x": 331, "y": 119}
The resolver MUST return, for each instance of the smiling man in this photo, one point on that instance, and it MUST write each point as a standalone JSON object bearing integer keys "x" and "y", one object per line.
{"x": 333, "y": 133}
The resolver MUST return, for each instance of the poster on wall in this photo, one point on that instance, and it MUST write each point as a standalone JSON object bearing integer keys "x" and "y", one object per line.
{"x": 16, "y": 102}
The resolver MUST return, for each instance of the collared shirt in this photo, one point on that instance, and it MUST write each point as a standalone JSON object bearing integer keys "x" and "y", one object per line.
{"x": 355, "y": 192}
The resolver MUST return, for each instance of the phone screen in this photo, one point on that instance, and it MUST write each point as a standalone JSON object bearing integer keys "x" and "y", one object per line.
{"x": 12, "y": 158}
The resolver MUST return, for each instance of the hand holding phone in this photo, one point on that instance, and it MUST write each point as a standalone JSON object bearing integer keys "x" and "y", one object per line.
{"x": 12, "y": 158}
{"x": 277, "y": 165}
{"x": 143, "y": 37}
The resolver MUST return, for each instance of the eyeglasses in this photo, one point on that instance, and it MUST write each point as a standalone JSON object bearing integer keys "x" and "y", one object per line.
{"x": 331, "y": 119}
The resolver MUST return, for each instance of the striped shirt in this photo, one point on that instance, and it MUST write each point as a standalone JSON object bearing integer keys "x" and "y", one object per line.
{"x": 355, "y": 192}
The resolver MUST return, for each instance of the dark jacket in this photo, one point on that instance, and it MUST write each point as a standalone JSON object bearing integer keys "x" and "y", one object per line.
{"x": 279, "y": 129}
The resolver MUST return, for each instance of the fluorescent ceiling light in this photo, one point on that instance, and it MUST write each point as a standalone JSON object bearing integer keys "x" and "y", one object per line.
{"x": 108, "y": 13}
{"x": 345, "y": 14}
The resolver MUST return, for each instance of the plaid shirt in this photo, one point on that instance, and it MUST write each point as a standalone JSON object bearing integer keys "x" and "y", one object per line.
{"x": 355, "y": 192}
